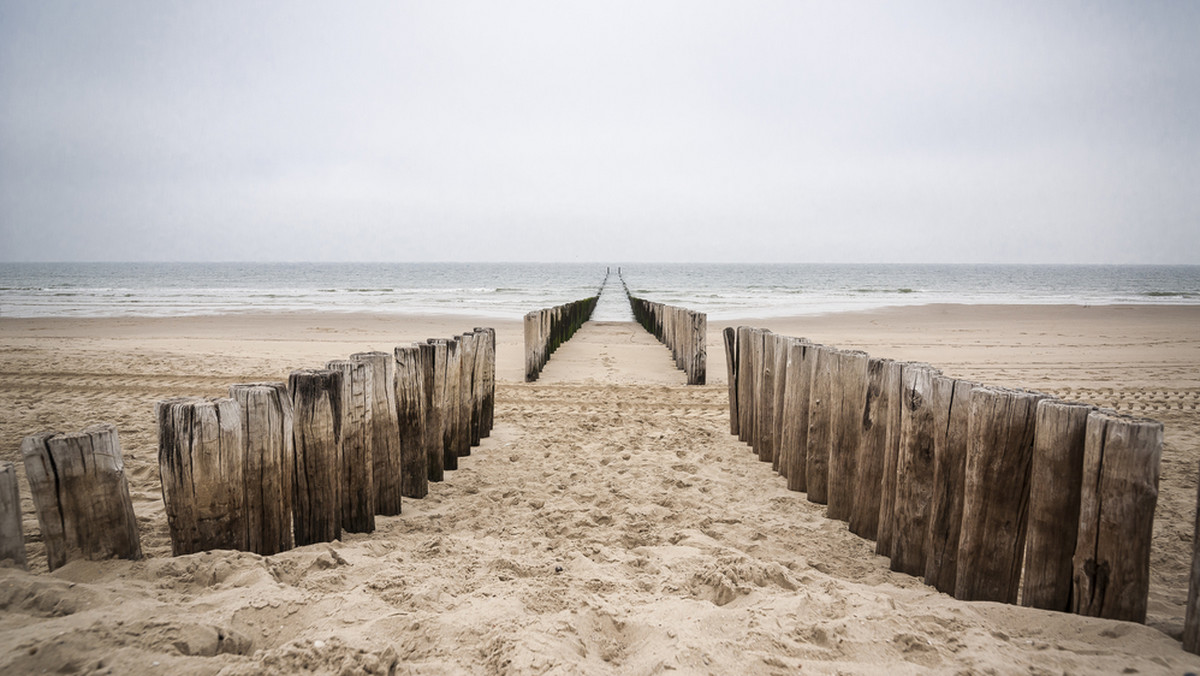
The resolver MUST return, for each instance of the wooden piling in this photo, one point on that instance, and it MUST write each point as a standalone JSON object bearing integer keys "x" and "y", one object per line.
{"x": 952, "y": 416}
{"x": 1191, "y": 624}
{"x": 779, "y": 351}
{"x": 1121, "y": 463}
{"x": 433, "y": 373}
{"x": 794, "y": 444}
{"x": 489, "y": 382}
{"x": 731, "y": 375}
{"x": 996, "y": 497}
{"x": 12, "y": 537}
{"x": 453, "y": 405}
{"x": 465, "y": 401}
{"x": 843, "y": 452}
{"x": 410, "y": 421}
{"x": 318, "y": 411}
{"x": 478, "y": 357}
{"x": 914, "y": 472}
{"x": 764, "y": 442}
{"x": 270, "y": 457}
{"x": 893, "y": 385}
{"x": 386, "y": 456}
{"x": 872, "y": 444}
{"x": 746, "y": 377}
{"x": 201, "y": 461}
{"x": 823, "y": 409}
{"x": 358, "y": 488}
{"x": 1054, "y": 493}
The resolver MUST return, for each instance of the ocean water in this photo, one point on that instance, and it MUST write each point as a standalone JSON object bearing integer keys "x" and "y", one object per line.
{"x": 509, "y": 290}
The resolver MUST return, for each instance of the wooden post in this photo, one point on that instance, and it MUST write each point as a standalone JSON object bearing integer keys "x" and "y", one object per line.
{"x": 433, "y": 372}
{"x": 386, "y": 456}
{"x": 823, "y": 408}
{"x": 765, "y": 446}
{"x": 872, "y": 444}
{"x": 410, "y": 419}
{"x": 489, "y": 380}
{"x": 533, "y": 322}
{"x": 893, "y": 385}
{"x": 914, "y": 472}
{"x": 1191, "y": 624}
{"x": 453, "y": 405}
{"x": 466, "y": 402}
{"x": 12, "y": 537}
{"x": 201, "y": 461}
{"x": 843, "y": 452}
{"x": 746, "y": 378}
{"x": 358, "y": 488}
{"x": 318, "y": 411}
{"x": 1116, "y": 516}
{"x": 779, "y": 351}
{"x": 996, "y": 499}
{"x": 1054, "y": 489}
{"x": 730, "y": 335}
{"x": 479, "y": 340}
{"x": 794, "y": 444}
{"x": 81, "y": 496}
{"x": 952, "y": 416}
{"x": 269, "y": 469}
{"x": 699, "y": 372}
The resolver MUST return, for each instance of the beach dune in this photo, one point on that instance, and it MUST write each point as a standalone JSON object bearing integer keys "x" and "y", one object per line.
{"x": 610, "y": 524}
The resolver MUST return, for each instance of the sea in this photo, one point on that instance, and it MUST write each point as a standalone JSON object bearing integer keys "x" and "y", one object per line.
{"x": 509, "y": 290}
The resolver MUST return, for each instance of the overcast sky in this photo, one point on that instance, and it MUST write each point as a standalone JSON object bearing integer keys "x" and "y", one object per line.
{"x": 602, "y": 131}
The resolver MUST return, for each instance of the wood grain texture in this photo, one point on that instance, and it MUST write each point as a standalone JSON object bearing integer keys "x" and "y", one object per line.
{"x": 201, "y": 461}
{"x": 12, "y": 538}
{"x": 410, "y": 420}
{"x": 914, "y": 472}
{"x": 893, "y": 385}
{"x": 433, "y": 373}
{"x": 746, "y": 378}
{"x": 872, "y": 444}
{"x": 386, "y": 458}
{"x": 843, "y": 451}
{"x": 358, "y": 488}
{"x": 823, "y": 408}
{"x": 952, "y": 416}
{"x": 318, "y": 411}
{"x": 270, "y": 458}
{"x": 794, "y": 443}
{"x": 1121, "y": 465}
{"x": 731, "y": 375}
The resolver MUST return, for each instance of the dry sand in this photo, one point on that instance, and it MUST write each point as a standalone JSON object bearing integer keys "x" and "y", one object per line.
{"x": 611, "y": 524}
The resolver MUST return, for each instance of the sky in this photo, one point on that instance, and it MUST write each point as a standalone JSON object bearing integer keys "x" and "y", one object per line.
{"x": 692, "y": 131}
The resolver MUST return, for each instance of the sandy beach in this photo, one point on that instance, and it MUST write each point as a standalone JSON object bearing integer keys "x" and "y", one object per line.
{"x": 610, "y": 524}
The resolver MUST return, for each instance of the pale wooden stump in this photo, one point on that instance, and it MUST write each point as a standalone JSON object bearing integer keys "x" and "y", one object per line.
{"x": 12, "y": 537}
{"x": 270, "y": 464}
{"x": 358, "y": 489}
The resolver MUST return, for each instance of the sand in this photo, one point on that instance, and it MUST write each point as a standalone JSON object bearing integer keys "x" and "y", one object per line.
{"x": 611, "y": 524}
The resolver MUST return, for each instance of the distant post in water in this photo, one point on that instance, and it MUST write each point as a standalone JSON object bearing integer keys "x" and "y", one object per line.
{"x": 358, "y": 488}
{"x": 386, "y": 460}
{"x": 270, "y": 459}
{"x": 201, "y": 459}
{"x": 318, "y": 411}
{"x": 12, "y": 537}
{"x": 1116, "y": 516}
{"x": 410, "y": 416}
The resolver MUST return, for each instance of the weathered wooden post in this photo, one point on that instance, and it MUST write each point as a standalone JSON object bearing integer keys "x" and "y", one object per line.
{"x": 410, "y": 420}
{"x": 779, "y": 352}
{"x": 765, "y": 425}
{"x": 699, "y": 372}
{"x": 81, "y": 496}
{"x": 479, "y": 352}
{"x": 453, "y": 405}
{"x": 823, "y": 408}
{"x": 12, "y": 537}
{"x": 914, "y": 472}
{"x": 318, "y": 411}
{"x": 731, "y": 374}
{"x": 893, "y": 385}
{"x": 996, "y": 499}
{"x": 1191, "y": 624}
{"x": 872, "y": 445}
{"x": 794, "y": 444}
{"x": 433, "y": 372}
{"x": 1054, "y": 489}
{"x": 532, "y": 324}
{"x": 746, "y": 377}
{"x": 1116, "y": 516}
{"x": 358, "y": 488}
{"x": 843, "y": 452}
{"x": 952, "y": 417}
{"x": 487, "y": 388}
{"x": 270, "y": 458}
{"x": 201, "y": 461}
{"x": 386, "y": 456}
{"x": 466, "y": 400}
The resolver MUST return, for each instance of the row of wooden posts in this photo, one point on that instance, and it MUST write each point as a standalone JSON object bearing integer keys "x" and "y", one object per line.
{"x": 273, "y": 466}
{"x": 547, "y": 329}
{"x": 974, "y": 488}
{"x": 683, "y": 331}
